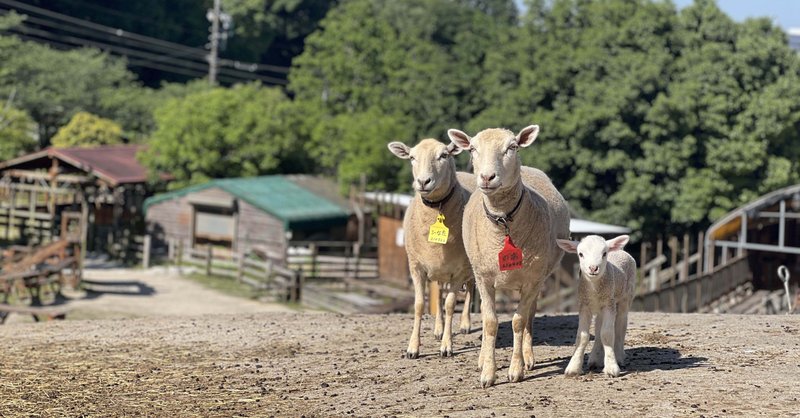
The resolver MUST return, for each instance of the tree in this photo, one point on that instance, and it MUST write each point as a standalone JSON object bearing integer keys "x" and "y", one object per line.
{"x": 246, "y": 130}
{"x": 410, "y": 62}
{"x": 17, "y": 133}
{"x": 53, "y": 85}
{"x": 87, "y": 130}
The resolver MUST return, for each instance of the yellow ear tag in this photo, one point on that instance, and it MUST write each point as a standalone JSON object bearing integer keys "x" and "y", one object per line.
{"x": 438, "y": 232}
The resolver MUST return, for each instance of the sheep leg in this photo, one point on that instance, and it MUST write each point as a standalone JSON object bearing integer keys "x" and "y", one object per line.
{"x": 527, "y": 338}
{"x": 446, "y": 348}
{"x": 519, "y": 322}
{"x": 419, "y": 306}
{"x": 575, "y": 366}
{"x": 596, "y": 356}
{"x": 486, "y": 359}
{"x": 620, "y": 329}
{"x": 611, "y": 367}
{"x": 466, "y": 321}
{"x": 439, "y": 327}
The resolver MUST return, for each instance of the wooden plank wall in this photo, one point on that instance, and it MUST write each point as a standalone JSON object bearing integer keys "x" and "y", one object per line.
{"x": 392, "y": 259}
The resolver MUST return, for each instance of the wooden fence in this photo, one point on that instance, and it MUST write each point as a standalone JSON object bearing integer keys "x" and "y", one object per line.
{"x": 332, "y": 260}
{"x": 699, "y": 291}
{"x": 283, "y": 283}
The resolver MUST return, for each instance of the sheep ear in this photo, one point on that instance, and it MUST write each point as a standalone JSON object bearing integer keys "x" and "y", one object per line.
{"x": 459, "y": 138}
{"x": 453, "y": 149}
{"x": 618, "y": 243}
{"x": 567, "y": 245}
{"x": 400, "y": 149}
{"x": 527, "y": 135}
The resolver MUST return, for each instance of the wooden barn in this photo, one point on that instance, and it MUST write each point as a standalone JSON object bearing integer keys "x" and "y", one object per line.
{"x": 106, "y": 184}
{"x": 242, "y": 214}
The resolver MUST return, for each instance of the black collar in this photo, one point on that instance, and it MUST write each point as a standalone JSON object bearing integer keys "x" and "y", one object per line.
{"x": 440, "y": 203}
{"x": 503, "y": 220}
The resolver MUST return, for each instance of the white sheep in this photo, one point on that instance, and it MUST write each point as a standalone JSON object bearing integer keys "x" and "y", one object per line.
{"x": 533, "y": 214}
{"x": 440, "y": 191}
{"x": 606, "y": 289}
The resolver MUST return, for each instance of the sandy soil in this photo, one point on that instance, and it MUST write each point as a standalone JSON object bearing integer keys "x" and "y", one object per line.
{"x": 154, "y": 292}
{"x": 294, "y": 364}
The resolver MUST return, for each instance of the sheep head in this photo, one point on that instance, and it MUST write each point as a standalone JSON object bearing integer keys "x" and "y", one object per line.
{"x": 593, "y": 252}
{"x": 431, "y": 164}
{"x": 494, "y": 155}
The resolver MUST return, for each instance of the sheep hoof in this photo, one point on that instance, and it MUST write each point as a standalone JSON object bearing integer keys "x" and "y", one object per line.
{"x": 594, "y": 365}
{"x": 572, "y": 372}
{"x": 515, "y": 377}
{"x": 464, "y": 329}
{"x": 437, "y": 335}
{"x": 487, "y": 381}
{"x": 611, "y": 371}
{"x": 446, "y": 352}
{"x": 529, "y": 366}
{"x": 412, "y": 354}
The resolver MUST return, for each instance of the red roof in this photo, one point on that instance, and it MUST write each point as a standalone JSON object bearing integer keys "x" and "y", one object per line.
{"x": 115, "y": 162}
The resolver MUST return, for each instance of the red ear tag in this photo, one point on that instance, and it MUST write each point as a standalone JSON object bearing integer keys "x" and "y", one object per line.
{"x": 510, "y": 257}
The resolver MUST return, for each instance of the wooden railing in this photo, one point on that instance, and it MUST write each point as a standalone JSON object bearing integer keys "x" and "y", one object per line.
{"x": 332, "y": 260}
{"x": 283, "y": 283}
{"x": 698, "y": 291}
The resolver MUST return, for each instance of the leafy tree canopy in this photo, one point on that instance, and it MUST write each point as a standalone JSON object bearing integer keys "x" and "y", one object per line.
{"x": 246, "y": 130}
{"x": 88, "y": 130}
{"x": 17, "y": 133}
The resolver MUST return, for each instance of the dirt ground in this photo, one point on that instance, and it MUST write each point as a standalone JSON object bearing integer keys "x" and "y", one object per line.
{"x": 313, "y": 364}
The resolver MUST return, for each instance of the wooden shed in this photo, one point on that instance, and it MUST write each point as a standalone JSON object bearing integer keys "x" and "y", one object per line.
{"x": 105, "y": 183}
{"x": 243, "y": 213}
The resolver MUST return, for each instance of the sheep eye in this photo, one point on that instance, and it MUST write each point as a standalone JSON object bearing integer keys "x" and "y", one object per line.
{"x": 604, "y": 253}
{"x": 443, "y": 156}
{"x": 511, "y": 149}
{"x": 580, "y": 255}
{"x": 412, "y": 159}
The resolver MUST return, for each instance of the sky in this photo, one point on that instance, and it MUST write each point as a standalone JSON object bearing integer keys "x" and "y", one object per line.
{"x": 786, "y": 13}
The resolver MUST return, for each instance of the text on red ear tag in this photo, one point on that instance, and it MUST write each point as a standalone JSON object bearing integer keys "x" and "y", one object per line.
{"x": 510, "y": 257}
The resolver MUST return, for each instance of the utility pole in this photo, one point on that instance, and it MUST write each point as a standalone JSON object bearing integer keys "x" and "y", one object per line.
{"x": 213, "y": 15}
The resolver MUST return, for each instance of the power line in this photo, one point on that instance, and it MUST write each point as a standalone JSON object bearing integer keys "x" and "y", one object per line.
{"x": 131, "y": 40}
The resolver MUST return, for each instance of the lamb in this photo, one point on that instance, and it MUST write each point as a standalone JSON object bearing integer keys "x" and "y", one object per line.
{"x": 434, "y": 254}
{"x": 606, "y": 289}
{"x": 513, "y": 223}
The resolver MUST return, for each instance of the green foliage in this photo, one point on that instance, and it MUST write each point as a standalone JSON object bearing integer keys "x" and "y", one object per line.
{"x": 88, "y": 130}
{"x": 246, "y": 130}
{"x": 53, "y": 85}
{"x": 412, "y": 65}
{"x": 17, "y": 133}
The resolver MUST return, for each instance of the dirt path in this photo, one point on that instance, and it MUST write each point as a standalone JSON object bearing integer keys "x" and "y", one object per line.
{"x": 131, "y": 293}
{"x": 290, "y": 364}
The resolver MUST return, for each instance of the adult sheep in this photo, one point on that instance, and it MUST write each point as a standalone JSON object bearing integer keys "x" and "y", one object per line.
{"x": 432, "y": 231}
{"x": 510, "y": 232}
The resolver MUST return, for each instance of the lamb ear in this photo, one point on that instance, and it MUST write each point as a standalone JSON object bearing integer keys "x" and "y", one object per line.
{"x": 453, "y": 149}
{"x": 459, "y": 138}
{"x": 567, "y": 245}
{"x": 618, "y": 243}
{"x": 527, "y": 135}
{"x": 400, "y": 149}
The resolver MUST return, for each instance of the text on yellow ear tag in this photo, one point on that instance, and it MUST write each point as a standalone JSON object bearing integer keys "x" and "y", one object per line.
{"x": 438, "y": 233}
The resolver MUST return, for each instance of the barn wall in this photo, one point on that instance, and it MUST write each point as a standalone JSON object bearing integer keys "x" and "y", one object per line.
{"x": 256, "y": 227}
{"x": 392, "y": 259}
{"x": 173, "y": 218}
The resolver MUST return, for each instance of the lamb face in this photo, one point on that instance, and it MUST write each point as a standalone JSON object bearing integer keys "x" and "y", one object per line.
{"x": 593, "y": 252}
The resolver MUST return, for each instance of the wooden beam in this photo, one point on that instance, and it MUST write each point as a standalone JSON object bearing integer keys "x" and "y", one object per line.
{"x": 35, "y": 175}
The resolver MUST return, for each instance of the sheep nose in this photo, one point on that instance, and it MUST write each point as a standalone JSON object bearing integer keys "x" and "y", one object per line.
{"x": 424, "y": 182}
{"x": 488, "y": 177}
{"x": 594, "y": 269}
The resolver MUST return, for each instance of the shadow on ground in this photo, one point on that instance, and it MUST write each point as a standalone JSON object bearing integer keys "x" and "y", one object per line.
{"x": 97, "y": 288}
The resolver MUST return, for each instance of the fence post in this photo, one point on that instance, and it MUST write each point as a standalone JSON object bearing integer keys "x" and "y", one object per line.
{"x": 209, "y": 257}
{"x": 180, "y": 256}
{"x": 146, "y": 251}
{"x": 267, "y": 272}
{"x": 313, "y": 248}
{"x": 240, "y": 267}
{"x": 170, "y": 252}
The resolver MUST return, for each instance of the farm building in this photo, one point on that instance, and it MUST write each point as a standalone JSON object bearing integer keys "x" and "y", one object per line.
{"x": 766, "y": 231}
{"x": 106, "y": 184}
{"x": 241, "y": 214}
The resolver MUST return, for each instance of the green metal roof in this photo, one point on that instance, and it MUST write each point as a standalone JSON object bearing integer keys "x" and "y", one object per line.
{"x": 277, "y": 195}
